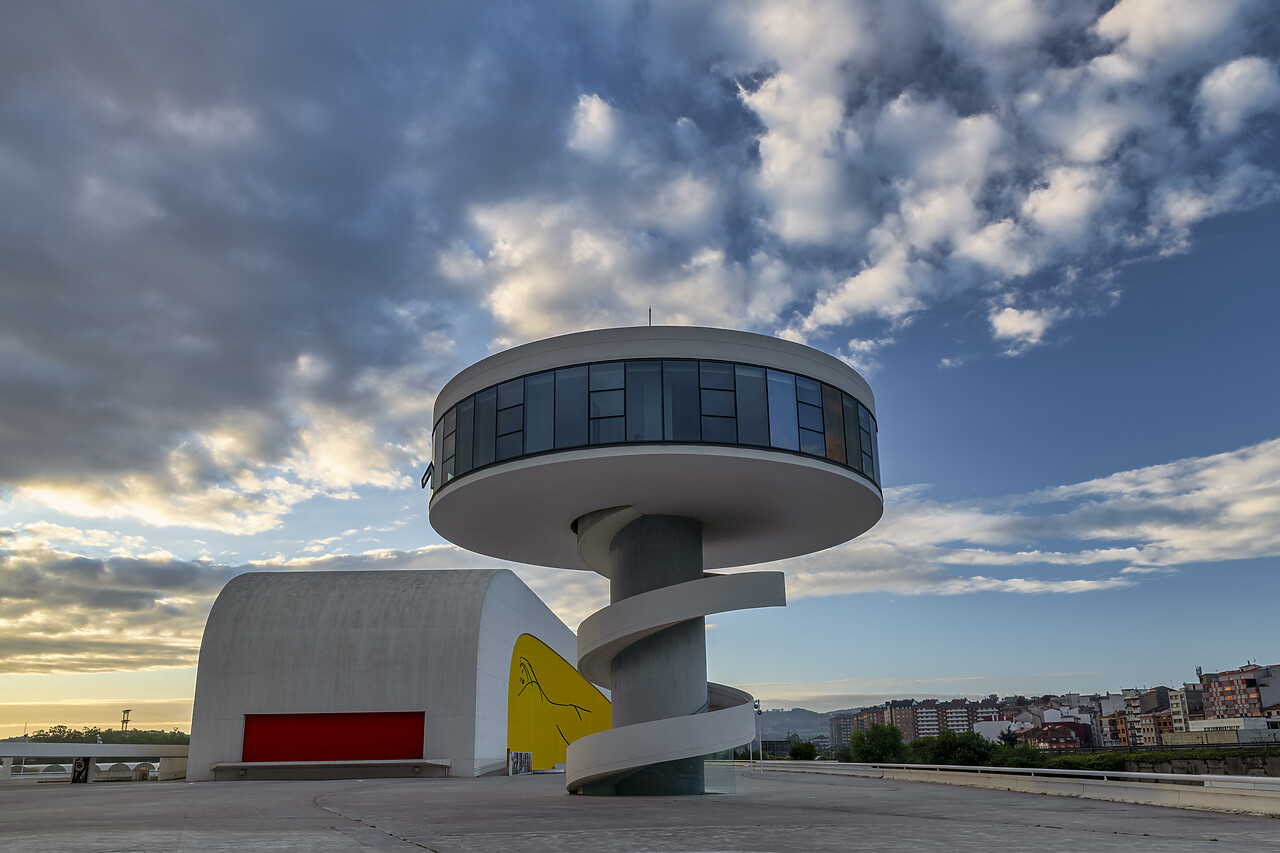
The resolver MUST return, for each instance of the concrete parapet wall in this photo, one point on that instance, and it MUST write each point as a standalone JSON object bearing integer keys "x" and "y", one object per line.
{"x": 1226, "y": 765}
{"x": 1234, "y": 794}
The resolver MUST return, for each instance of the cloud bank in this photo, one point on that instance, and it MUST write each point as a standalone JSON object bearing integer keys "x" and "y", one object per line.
{"x": 64, "y": 611}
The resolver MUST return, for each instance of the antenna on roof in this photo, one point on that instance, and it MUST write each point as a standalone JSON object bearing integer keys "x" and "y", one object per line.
{"x": 650, "y": 315}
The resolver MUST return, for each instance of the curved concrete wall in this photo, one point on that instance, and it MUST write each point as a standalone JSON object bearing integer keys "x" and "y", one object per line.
{"x": 437, "y": 641}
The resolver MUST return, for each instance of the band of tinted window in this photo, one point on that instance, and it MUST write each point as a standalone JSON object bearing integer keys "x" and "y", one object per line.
{"x": 647, "y": 401}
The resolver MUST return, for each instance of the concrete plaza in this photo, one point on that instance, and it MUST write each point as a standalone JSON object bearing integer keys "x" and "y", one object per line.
{"x": 774, "y": 812}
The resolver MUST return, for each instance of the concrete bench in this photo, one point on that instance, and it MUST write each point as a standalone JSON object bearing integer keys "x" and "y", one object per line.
{"x": 374, "y": 769}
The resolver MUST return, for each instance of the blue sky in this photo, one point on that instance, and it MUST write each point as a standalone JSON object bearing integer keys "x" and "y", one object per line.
{"x": 242, "y": 246}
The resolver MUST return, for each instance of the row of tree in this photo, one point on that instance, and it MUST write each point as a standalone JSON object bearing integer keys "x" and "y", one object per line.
{"x": 93, "y": 734}
{"x": 883, "y": 744}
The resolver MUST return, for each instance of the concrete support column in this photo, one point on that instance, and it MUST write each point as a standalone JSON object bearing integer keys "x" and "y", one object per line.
{"x": 663, "y": 675}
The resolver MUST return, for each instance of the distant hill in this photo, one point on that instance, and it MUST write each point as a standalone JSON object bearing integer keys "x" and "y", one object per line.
{"x": 774, "y": 725}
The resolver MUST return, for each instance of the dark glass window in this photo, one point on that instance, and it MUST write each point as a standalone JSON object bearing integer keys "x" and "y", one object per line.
{"x": 875, "y": 452}
{"x": 510, "y": 420}
{"x": 539, "y": 412}
{"x": 782, "y": 410}
{"x": 486, "y": 422}
{"x": 753, "y": 408}
{"x": 716, "y": 402}
{"x": 606, "y": 376}
{"x": 571, "y": 406}
{"x": 811, "y": 442}
{"x": 808, "y": 391}
{"x": 462, "y": 446}
{"x": 606, "y": 404}
{"x": 810, "y": 417}
{"x": 680, "y": 401}
{"x": 833, "y": 423}
{"x": 608, "y": 430}
{"x": 509, "y": 445}
{"x": 636, "y": 401}
{"x": 644, "y": 401}
{"x": 716, "y": 374}
{"x": 852, "y": 440}
{"x": 511, "y": 393}
{"x": 436, "y": 458}
{"x": 719, "y": 429}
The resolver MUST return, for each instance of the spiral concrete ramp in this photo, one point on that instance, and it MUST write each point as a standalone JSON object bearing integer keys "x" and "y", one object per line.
{"x": 727, "y": 720}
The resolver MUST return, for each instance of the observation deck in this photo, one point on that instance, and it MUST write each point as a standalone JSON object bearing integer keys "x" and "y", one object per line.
{"x": 650, "y": 454}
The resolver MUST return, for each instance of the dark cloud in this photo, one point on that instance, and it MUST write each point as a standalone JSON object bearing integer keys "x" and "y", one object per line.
{"x": 225, "y": 230}
{"x": 66, "y": 612}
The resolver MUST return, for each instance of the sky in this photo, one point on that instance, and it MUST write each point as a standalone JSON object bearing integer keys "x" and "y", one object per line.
{"x": 244, "y": 244}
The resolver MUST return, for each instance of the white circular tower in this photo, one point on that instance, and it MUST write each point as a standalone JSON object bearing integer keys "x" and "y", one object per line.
{"x": 650, "y": 454}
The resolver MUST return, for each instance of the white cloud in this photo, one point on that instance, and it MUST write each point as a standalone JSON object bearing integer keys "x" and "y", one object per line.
{"x": 1171, "y": 31}
{"x": 595, "y": 127}
{"x": 996, "y": 25}
{"x": 1146, "y": 523}
{"x": 861, "y": 353}
{"x": 341, "y": 452}
{"x": 800, "y": 170}
{"x": 889, "y": 288}
{"x": 1064, "y": 207}
{"x": 1180, "y": 202}
{"x": 555, "y": 268}
{"x": 1234, "y": 92}
{"x": 1021, "y": 328}
{"x": 1000, "y": 246}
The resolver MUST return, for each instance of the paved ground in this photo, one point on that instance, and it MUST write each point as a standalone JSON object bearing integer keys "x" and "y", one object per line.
{"x": 532, "y": 813}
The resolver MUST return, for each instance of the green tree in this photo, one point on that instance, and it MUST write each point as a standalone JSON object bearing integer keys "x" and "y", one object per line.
{"x": 65, "y": 734}
{"x": 923, "y": 750}
{"x": 968, "y": 749}
{"x": 803, "y": 751}
{"x": 1009, "y": 738}
{"x": 1016, "y": 756}
{"x": 878, "y": 744}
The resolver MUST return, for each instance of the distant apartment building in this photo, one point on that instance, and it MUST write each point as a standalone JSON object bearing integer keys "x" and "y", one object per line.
{"x": 1248, "y": 730}
{"x": 1244, "y": 692}
{"x": 1145, "y": 731}
{"x": 959, "y": 716}
{"x": 989, "y": 712}
{"x": 903, "y": 718}
{"x": 1186, "y": 704}
{"x": 1113, "y": 729}
{"x": 1113, "y": 725}
{"x": 1154, "y": 726}
{"x": 844, "y": 725}
{"x": 841, "y": 729}
{"x": 928, "y": 718}
{"x": 868, "y": 717}
{"x": 1062, "y": 735}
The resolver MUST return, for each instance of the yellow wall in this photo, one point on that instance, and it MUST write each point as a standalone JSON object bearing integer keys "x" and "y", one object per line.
{"x": 549, "y": 705}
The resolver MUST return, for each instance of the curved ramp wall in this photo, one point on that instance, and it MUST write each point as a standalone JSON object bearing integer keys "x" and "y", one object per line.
{"x": 434, "y": 642}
